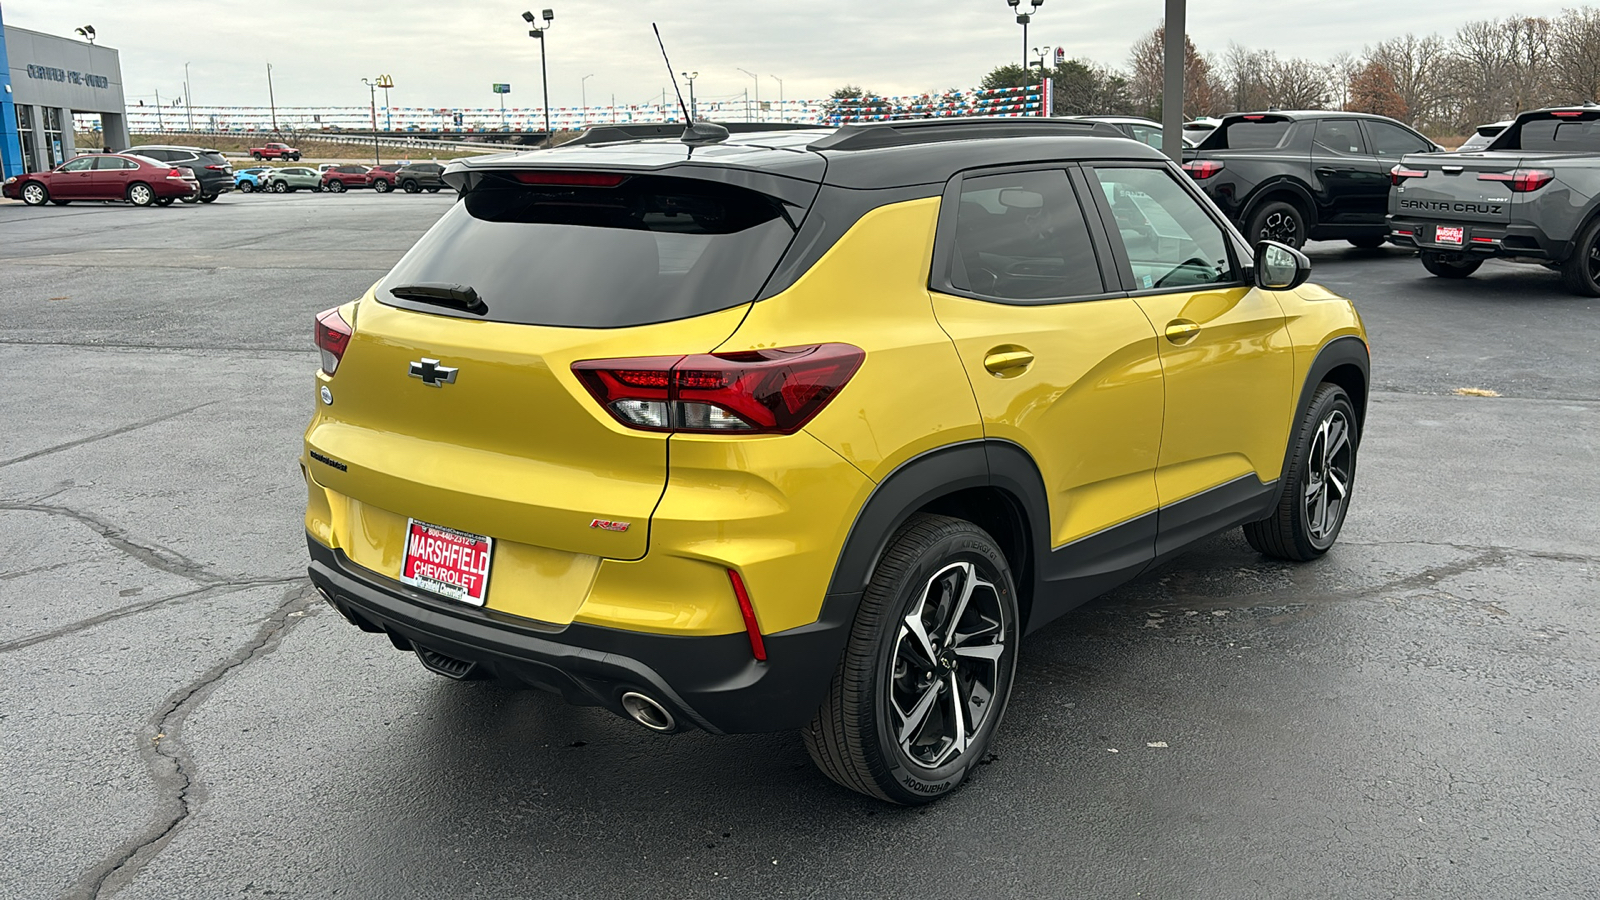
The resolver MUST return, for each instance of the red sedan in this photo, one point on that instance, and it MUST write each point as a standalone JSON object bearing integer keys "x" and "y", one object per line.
{"x": 102, "y": 176}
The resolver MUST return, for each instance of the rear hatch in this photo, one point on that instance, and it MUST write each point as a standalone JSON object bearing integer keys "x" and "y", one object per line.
{"x": 529, "y": 273}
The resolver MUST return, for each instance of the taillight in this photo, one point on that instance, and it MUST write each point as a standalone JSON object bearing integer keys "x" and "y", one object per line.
{"x": 1399, "y": 174}
{"x": 174, "y": 173}
{"x": 571, "y": 179}
{"x": 1202, "y": 169}
{"x": 332, "y": 335}
{"x": 1522, "y": 181}
{"x": 749, "y": 392}
{"x": 215, "y": 168}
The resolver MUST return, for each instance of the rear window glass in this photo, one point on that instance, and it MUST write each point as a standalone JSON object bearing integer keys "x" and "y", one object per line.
{"x": 1247, "y": 135}
{"x": 213, "y": 158}
{"x": 651, "y": 249}
{"x": 1554, "y": 134}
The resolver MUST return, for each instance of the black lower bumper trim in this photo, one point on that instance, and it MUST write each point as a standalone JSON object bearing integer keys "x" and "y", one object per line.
{"x": 711, "y": 682}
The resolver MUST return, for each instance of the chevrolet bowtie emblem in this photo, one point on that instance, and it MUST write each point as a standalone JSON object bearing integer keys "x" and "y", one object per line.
{"x": 431, "y": 373}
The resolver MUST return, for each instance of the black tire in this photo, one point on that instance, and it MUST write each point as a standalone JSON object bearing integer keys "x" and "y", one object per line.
{"x": 433, "y": 190}
{"x": 1277, "y": 220}
{"x": 295, "y": 157}
{"x": 257, "y": 156}
{"x": 280, "y": 187}
{"x": 208, "y": 198}
{"x": 381, "y": 186}
{"x": 336, "y": 186}
{"x": 164, "y": 201}
{"x": 246, "y": 187}
{"x": 61, "y": 202}
{"x": 141, "y": 194}
{"x": 1368, "y": 243}
{"x": 35, "y": 193}
{"x": 1293, "y": 530}
{"x": 410, "y": 187}
{"x": 1581, "y": 270}
{"x": 887, "y": 668}
{"x": 1440, "y": 265}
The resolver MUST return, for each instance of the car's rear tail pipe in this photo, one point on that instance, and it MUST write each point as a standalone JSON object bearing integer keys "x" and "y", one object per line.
{"x": 648, "y": 712}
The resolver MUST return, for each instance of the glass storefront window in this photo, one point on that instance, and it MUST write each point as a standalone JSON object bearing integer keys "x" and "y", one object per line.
{"x": 25, "y": 135}
{"x": 52, "y": 136}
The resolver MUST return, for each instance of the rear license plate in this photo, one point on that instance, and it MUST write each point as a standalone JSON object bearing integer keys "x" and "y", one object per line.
{"x": 1449, "y": 234}
{"x": 447, "y": 562}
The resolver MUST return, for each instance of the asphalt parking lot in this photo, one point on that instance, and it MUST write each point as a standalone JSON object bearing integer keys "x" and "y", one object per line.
{"x": 1415, "y": 715}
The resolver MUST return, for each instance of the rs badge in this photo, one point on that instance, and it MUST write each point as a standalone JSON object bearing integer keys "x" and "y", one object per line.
{"x": 609, "y": 525}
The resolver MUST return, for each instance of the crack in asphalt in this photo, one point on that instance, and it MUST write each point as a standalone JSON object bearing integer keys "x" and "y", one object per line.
{"x": 122, "y": 612}
{"x": 172, "y": 767}
{"x": 207, "y": 350}
{"x": 153, "y": 555}
{"x": 104, "y": 434}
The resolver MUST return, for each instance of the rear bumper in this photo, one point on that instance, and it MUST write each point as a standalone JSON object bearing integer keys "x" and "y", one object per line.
{"x": 1480, "y": 240}
{"x": 712, "y": 682}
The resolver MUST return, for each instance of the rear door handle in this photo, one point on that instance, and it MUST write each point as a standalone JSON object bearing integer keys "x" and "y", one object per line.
{"x": 1181, "y": 330}
{"x": 1002, "y": 360}
{"x": 1327, "y": 171}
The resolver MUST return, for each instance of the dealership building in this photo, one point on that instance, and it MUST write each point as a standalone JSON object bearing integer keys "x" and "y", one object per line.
{"x": 44, "y": 80}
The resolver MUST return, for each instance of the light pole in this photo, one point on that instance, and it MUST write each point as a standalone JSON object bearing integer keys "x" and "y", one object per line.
{"x": 757, "y": 79}
{"x": 781, "y": 116}
{"x": 1042, "y": 52}
{"x": 372, "y": 91}
{"x": 694, "y": 108}
{"x": 87, "y": 31}
{"x": 188, "y": 104}
{"x": 583, "y": 97}
{"x": 386, "y": 83}
{"x": 272, "y": 101}
{"x": 537, "y": 33}
{"x": 1023, "y": 18}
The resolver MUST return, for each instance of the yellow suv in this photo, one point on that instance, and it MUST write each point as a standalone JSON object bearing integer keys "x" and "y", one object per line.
{"x": 804, "y": 430}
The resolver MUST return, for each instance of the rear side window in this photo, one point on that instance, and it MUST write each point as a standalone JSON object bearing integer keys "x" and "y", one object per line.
{"x": 1392, "y": 141}
{"x": 213, "y": 158}
{"x": 647, "y": 249}
{"x": 1341, "y": 136}
{"x": 1022, "y": 237}
{"x": 1247, "y": 134}
{"x": 1554, "y": 134}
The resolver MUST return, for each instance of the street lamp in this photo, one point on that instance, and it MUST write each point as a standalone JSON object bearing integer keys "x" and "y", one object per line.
{"x": 757, "y": 79}
{"x": 781, "y": 116}
{"x": 188, "y": 105}
{"x": 537, "y": 33}
{"x": 694, "y": 108}
{"x": 86, "y": 31}
{"x": 386, "y": 83}
{"x": 372, "y": 90}
{"x": 272, "y": 100}
{"x": 1023, "y": 18}
{"x": 583, "y": 97}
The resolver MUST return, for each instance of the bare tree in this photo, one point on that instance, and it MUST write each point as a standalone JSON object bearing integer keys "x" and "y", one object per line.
{"x": 1297, "y": 84}
{"x": 1341, "y": 69}
{"x": 1417, "y": 67}
{"x": 1202, "y": 94}
{"x": 1575, "y": 54}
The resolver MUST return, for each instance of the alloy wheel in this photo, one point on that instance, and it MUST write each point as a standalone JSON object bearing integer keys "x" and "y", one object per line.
{"x": 946, "y": 666}
{"x": 1329, "y": 466}
{"x": 33, "y": 194}
{"x": 140, "y": 195}
{"x": 1594, "y": 261}
{"x": 1280, "y": 227}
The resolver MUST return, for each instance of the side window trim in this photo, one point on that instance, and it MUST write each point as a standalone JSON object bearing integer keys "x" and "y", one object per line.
{"x": 944, "y": 238}
{"x": 1238, "y": 256}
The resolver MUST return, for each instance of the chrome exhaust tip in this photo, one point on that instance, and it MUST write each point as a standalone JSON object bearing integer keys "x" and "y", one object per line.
{"x": 648, "y": 712}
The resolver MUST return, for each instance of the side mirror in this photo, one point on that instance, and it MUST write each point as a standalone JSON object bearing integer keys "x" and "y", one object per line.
{"x": 1280, "y": 267}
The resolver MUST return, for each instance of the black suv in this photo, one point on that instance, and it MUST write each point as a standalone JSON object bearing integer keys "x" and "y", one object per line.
{"x": 1298, "y": 176}
{"x": 420, "y": 177}
{"x": 214, "y": 173}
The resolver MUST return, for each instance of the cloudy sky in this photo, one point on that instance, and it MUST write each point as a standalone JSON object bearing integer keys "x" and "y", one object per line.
{"x": 448, "y": 53}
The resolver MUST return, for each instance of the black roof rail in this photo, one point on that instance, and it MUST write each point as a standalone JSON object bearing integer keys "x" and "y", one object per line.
{"x": 905, "y": 132}
{"x": 614, "y": 134}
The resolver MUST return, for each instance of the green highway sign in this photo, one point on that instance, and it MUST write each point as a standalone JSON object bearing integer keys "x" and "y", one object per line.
{"x": 502, "y": 89}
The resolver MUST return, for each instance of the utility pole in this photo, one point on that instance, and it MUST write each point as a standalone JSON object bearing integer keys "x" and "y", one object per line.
{"x": 372, "y": 91}
{"x": 757, "y": 79}
{"x": 694, "y": 108}
{"x": 272, "y": 100}
{"x": 782, "y": 117}
{"x": 583, "y": 95}
{"x": 388, "y": 120}
{"x": 537, "y": 33}
{"x": 159, "y": 127}
{"x": 1172, "y": 90}
{"x": 188, "y": 104}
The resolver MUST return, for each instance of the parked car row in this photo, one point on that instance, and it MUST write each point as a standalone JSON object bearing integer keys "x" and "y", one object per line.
{"x": 1526, "y": 190}
{"x": 337, "y": 178}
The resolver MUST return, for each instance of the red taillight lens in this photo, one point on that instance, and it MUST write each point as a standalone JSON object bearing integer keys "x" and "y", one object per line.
{"x": 1399, "y": 174}
{"x": 1202, "y": 169}
{"x": 1522, "y": 181}
{"x": 751, "y": 392}
{"x": 332, "y": 336}
{"x": 574, "y": 179}
{"x": 174, "y": 173}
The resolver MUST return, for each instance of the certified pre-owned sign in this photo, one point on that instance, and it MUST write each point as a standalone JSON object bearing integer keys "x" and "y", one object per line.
{"x": 51, "y": 73}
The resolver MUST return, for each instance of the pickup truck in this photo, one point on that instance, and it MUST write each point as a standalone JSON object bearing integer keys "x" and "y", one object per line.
{"x": 275, "y": 150}
{"x": 1533, "y": 195}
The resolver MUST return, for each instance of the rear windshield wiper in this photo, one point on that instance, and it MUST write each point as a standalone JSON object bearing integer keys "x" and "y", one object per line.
{"x": 459, "y": 296}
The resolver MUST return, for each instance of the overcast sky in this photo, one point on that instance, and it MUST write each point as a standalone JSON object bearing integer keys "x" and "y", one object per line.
{"x": 448, "y": 53}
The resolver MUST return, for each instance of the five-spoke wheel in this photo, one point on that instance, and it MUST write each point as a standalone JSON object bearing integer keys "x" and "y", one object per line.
{"x": 1318, "y": 482}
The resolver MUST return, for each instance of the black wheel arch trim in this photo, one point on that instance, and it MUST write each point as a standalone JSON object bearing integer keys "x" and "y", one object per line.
{"x": 1347, "y": 350}
{"x": 1267, "y": 191}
